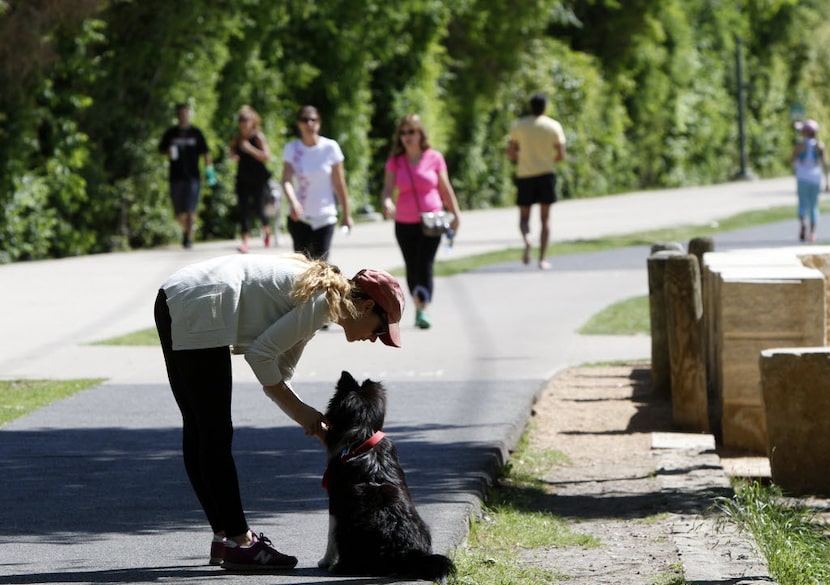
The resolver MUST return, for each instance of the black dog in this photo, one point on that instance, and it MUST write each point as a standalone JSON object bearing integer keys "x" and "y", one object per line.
{"x": 374, "y": 528}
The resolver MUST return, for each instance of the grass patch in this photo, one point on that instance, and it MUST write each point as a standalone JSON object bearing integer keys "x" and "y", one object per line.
{"x": 671, "y": 578}
{"x": 628, "y": 317}
{"x": 144, "y": 337}
{"x": 19, "y": 397}
{"x": 515, "y": 520}
{"x": 793, "y": 541}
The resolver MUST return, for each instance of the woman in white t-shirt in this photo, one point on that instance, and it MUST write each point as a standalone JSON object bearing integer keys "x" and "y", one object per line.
{"x": 314, "y": 183}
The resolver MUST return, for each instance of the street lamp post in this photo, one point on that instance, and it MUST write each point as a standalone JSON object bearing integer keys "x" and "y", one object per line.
{"x": 745, "y": 173}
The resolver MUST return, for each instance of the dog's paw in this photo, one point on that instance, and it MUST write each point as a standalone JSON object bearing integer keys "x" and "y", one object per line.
{"x": 326, "y": 563}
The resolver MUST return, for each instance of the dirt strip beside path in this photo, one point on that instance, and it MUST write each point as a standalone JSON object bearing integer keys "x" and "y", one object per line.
{"x": 643, "y": 490}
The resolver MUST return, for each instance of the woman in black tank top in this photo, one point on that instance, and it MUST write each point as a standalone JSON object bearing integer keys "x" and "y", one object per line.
{"x": 250, "y": 150}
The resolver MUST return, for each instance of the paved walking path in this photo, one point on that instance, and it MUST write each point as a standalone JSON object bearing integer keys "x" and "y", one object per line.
{"x": 93, "y": 491}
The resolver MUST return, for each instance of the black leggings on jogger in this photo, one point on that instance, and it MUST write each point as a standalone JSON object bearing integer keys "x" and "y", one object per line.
{"x": 419, "y": 257}
{"x": 201, "y": 380}
{"x": 250, "y": 201}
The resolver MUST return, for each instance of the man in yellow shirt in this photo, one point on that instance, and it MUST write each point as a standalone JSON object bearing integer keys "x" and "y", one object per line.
{"x": 537, "y": 143}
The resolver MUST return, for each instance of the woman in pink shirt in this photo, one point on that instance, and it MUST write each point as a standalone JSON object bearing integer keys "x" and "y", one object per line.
{"x": 418, "y": 174}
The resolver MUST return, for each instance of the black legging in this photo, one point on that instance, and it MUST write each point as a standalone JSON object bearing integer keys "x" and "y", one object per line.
{"x": 201, "y": 382}
{"x": 313, "y": 243}
{"x": 249, "y": 200}
{"x": 419, "y": 257}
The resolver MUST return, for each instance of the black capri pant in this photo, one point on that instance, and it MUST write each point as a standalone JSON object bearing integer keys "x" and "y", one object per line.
{"x": 419, "y": 257}
{"x": 250, "y": 200}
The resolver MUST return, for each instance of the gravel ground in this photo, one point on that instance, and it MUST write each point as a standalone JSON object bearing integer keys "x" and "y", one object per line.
{"x": 650, "y": 508}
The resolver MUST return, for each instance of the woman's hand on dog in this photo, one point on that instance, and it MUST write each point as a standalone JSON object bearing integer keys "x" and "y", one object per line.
{"x": 316, "y": 425}
{"x": 312, "y": 420}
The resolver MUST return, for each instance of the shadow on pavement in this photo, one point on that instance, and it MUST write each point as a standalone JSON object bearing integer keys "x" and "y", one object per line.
{"x": 62, "y": 484}
{"x": 179, "y": 573}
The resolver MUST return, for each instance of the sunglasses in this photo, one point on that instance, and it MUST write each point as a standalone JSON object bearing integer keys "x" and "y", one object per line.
{"x": 309, "y": 120}
{"x": 408, "y": 132}
{"x": 240, "y": 120}
{"x": 383, "y": 328}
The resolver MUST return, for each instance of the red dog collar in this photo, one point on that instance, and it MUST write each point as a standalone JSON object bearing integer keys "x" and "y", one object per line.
{"x": 359, "y": 450}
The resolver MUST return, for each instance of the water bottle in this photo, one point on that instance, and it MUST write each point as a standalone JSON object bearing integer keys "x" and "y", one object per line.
{"x": 210, "y": 175}
{"x": 450, "y": 236}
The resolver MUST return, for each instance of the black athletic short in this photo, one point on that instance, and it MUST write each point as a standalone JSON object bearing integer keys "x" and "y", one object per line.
{"x": 185, "y": 195}
{"x": 538, "y": 189}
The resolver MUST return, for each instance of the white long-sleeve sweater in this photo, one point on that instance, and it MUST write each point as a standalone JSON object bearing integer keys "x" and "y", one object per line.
{"x": 244, "y": 301}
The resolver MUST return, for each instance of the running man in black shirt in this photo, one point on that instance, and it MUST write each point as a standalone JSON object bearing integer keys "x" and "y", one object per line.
{"x": 184, "y": 144}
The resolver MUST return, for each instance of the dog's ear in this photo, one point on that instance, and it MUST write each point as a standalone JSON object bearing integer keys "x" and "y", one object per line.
{"x": 373, "y": 395}
{"x": 347, "y": 378}
{"x": 369, "y": 383}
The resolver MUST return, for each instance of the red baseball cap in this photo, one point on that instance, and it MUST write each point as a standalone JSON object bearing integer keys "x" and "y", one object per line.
{"x": 383, "y": 288}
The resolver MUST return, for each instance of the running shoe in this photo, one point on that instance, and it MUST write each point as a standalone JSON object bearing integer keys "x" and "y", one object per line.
{"x": 422, "y": 319}
{"x": 260, "y": 556}
{"x": 217, "y": 551}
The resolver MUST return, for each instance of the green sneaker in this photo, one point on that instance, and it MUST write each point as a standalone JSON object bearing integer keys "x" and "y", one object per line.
{"x": 421, "y": 320}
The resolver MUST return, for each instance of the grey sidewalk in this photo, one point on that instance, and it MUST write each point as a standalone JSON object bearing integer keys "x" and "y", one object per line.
{"x": 93, "y": 490}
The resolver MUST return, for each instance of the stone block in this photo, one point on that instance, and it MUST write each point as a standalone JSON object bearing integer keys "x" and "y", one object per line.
{"x": 815, "y": 256}
{"x": 796, "y": 394}
{"x": 755, "y": 308}
{"x": 818, "y": 258}
{"x": 714, "y": 263}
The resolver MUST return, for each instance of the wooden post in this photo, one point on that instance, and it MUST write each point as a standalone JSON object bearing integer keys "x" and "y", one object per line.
{"x": 660, "y": 374}
{"x": 699, "y": 246}
{"x": 666, "y": 246}
{"x": 685, "y": 341}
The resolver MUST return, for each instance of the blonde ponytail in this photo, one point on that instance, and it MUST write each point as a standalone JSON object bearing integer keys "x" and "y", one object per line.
{"x": 322, "y": 276}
